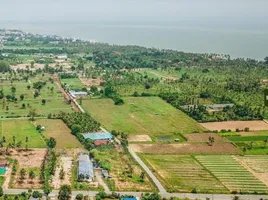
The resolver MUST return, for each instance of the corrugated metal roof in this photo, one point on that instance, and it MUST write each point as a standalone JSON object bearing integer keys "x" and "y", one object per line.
{"x": 85, "y": 166}
{"x": 98, "y": 136}
{"x": 72, "y": 92}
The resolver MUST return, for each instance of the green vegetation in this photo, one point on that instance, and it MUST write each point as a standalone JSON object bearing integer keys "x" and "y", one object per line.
{"x": 233, "y": 175}
{"x": 141, "y": 115}
{"x": 122, "y": 168}
{"x": 20, "y": 93}
{"x": 16, "y": 131}
{"x": 182, "y": 173}
{"x": 73, "y": 84}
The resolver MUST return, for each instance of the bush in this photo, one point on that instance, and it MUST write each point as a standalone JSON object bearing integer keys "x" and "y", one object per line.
{"x": 79, "y": 196}
{"x": 36, "y": 194}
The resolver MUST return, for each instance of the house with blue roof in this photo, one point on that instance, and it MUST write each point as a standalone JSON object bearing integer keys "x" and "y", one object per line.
{"x": 98, "y": 136}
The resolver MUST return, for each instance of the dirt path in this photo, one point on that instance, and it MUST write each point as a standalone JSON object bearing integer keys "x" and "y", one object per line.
{"x": 8, "y": 176}
{"x": 101, "y": 182}
{"x": 263, "y": 177}
{"x": 66, "y": 95}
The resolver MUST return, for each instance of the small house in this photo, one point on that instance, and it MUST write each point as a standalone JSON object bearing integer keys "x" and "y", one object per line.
{"x": 4, "y": 163}
{"x": 77, "y": 94}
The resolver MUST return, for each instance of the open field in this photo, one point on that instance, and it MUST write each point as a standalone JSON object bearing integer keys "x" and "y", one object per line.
{"x": 185, "y": 148}
{"x": 92, "y": 82}
{"x": 182, "y": 173}
{"x": 257, "y": 165}
{"x": 50, "y": 92}
{"x": 22, "y": 129}
{"x": 58, "y": 130}
{"x": 139, "y": 138}
{"x": 73, "y": 83}
{"x": 233, "y": 125}
{"x": 141, "y": 115}
{"x": 204, "y": 137}
{"x": 232, "y": 174}
{"x": 247, "y": 138}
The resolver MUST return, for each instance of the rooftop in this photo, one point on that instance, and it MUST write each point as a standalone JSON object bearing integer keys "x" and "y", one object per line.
{"x": 98, "y": 136}
{"x": 85, "y": 166}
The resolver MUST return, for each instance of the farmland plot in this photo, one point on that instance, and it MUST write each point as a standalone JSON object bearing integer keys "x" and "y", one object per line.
{"x": 182, "y": 173}
{"x": 232, "y": 174}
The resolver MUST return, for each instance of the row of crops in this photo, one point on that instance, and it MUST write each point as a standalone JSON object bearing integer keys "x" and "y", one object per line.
{"x": 232, "y": 174}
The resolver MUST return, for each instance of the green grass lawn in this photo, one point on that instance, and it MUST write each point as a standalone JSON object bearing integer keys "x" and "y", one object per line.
{"x": 73, "y": 83}
{"x": 21, "y": 129}
{"x": 233, "y": 175}
{"x": 2, "y": 180}
{"x": 182, "y": 173}
{"x": 141, "y": 115}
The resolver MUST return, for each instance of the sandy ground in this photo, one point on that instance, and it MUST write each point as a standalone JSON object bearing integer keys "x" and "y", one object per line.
{"x": 203, "y": 137}
{"x": 92, "y": 82}
{"x": 139, "y": 138}
{"x": 185, "y": 148}
{"x": 256, "y": 125}
{"x": 27, "y": 159}
{"x": 65, "y": 162}
{"x": 27, "y": 66}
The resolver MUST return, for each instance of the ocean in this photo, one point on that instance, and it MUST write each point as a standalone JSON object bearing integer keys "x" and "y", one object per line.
{"x": 250, "y": 42}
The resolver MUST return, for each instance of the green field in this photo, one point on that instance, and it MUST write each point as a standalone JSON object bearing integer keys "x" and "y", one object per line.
{"x": 233, "y": 175}
{"x": 247, "y": 138}
{"x": 141, "y": 115}
{"x": 54, "y": 98}
{"x": 21, "y": 129}
{"x": 182, "y": 173}
{"x": 60, "y": 132}
{"x": 73, "y": 83}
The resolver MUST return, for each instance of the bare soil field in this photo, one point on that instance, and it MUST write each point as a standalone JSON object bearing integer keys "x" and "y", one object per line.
{"x": 185, "y": 148}
{"x": 139, "y": 138}
{"x": 256, "y": 125}
{"x": 27, "y": 66}
{"x": 27, "y": 159}
{"x": 92, "y": 82}
{"x": 65, "y": 163}
{"x": 204, "y": 137}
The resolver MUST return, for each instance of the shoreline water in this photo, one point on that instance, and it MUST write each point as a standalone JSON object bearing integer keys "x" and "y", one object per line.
{"x": 236, "y": 42}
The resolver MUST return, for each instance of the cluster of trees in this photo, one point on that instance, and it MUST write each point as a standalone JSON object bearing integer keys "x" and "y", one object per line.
{"x": 4, "y": 66}
{"x": 79, "y": 122}
{"x": 110, "y": 92}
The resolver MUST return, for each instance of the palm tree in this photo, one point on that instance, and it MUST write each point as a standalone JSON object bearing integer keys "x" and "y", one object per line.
{"x": 14, "y": 140}
{"x": 26, "y": 141}
{"x": 265, "y": 142}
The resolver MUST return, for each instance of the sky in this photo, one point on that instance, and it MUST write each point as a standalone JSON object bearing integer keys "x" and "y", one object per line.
{"x": 141, "y": 10}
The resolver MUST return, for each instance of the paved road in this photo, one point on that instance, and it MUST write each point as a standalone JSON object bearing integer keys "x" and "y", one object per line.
{"x": 161, "y": 189}
{"x": 138, "y": 194}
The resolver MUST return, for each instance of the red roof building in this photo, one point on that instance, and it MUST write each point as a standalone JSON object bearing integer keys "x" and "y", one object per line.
{"x": 100, "y": 142}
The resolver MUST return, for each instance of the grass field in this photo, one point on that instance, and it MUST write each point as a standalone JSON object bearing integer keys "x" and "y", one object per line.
{"x": 58, "y": 130}
{"x": 73, "y": 83}
{"x": 247, "y": 138}
{"x": 232, "y": 174}
{"x": 182, "y": 173}
{"x": 141, "y": 115}
{"x": 22, "y": 129}
{"x": 54, "y": 98}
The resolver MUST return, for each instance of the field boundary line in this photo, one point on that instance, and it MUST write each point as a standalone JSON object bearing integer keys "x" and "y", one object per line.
{"x": 248, "y": 169}
{"x": 209, "y": 172}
